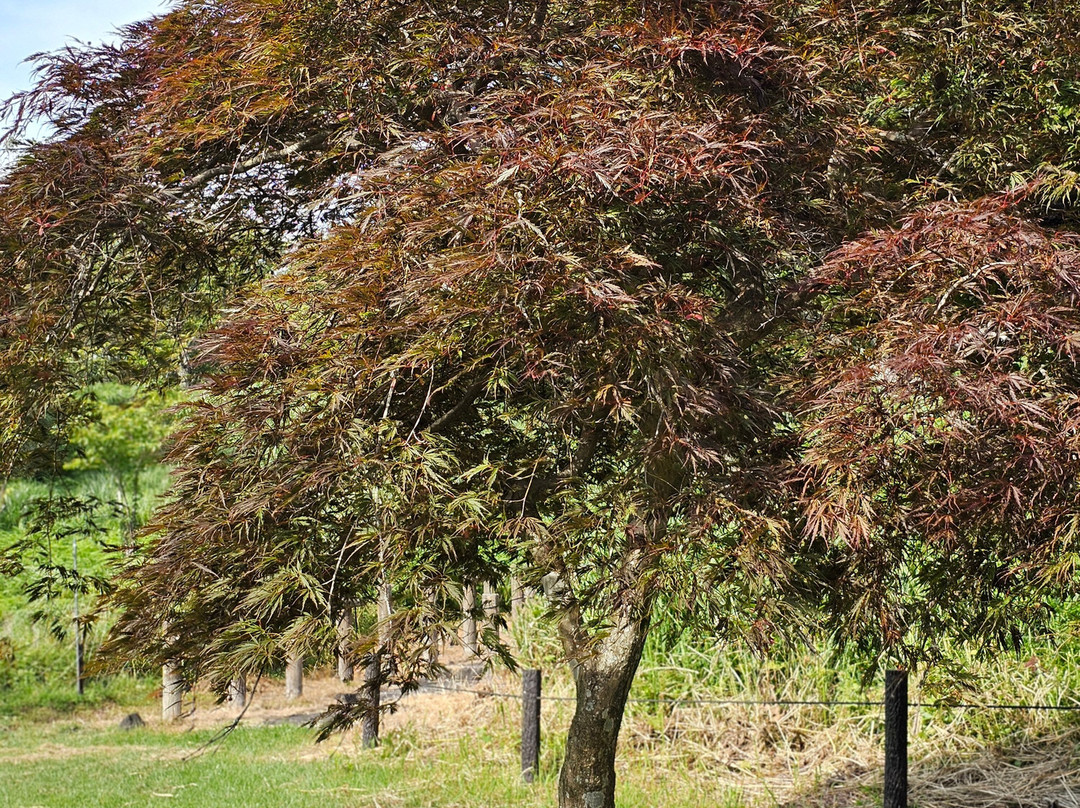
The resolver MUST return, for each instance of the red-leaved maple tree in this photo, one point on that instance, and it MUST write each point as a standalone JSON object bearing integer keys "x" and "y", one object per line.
{"x": 554, "y": 288}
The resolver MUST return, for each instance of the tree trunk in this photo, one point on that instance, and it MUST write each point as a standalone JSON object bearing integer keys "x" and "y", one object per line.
{"x": 172, "y": 693}
{"x": 468, "y": 629}
{"x": 237, "y": 693}
{"x": 294, "y": 677}
{"x": 587, "y": 779}
{"x": 369, "y": 724}
{"x": 386, "y": 610}
{"x": 517, "y": 596}
{"x": 491, "y": 607}
{"x": 434, "y": 638}
{"x": 345, "y": 636}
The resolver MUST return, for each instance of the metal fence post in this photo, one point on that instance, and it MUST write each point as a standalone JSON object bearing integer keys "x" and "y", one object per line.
{"x": 530, "y": 724}
{"x": 896, "y": 762}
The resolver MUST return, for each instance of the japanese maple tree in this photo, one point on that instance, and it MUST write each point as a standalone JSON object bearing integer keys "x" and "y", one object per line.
{"x": 483, "y": 285}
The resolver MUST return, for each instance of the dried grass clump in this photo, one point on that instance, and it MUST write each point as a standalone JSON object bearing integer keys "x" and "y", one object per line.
{"x": 821, "y": 758}
{"x": 1043, "y": 773}
{"x": 832, "y": 756}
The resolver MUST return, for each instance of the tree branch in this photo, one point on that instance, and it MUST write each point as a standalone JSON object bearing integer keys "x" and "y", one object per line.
{"x": 457, "y": 412}
{"x": 262, "y": 158}
{"x": 539, "y": 16}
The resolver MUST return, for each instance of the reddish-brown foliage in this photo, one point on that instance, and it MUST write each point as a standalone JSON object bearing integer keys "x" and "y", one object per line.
{"x": 942, "y": 445}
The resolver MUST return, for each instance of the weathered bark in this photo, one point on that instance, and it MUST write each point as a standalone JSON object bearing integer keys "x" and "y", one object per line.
{"x": 468, "y": 627}
{"x": 603, "y": 669}
{"x": 603, "y": 680}
{"x": 517, "y": 596}
{"x": 369, "y": 724}
{"x": 294, "y": 677}
{"x": 345, "y": 630}
{"x": 386, "y": 610}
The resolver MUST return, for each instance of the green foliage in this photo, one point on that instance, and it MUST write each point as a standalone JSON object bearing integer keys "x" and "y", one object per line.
{"x": 940, "y": 439}
{"x": 97, "y": 501}
{"x": 100, "y": 497}
{"x": 519, "y": 348}
{"x": 956, "y": 99}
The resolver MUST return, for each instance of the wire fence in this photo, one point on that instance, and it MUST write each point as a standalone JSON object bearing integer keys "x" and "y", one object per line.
{"x": 690, "y": 702}
{"x": 894, "y": 702}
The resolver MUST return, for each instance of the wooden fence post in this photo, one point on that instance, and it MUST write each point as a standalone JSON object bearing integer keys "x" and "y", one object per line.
{"x": 896, "y": 762}
{"x": 294, "y": 677}
{"x": 530, "y": 724}
{"x": 172, "y": 692}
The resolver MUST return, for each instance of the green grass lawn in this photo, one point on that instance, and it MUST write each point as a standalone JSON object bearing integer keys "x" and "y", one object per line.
{"x": 62, "y": 764}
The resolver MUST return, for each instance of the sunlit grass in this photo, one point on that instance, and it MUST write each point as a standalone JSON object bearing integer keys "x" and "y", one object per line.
{"x": 66, "y": 764}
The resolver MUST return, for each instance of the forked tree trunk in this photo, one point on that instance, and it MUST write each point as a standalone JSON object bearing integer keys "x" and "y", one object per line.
{"x": 587, "y": 779}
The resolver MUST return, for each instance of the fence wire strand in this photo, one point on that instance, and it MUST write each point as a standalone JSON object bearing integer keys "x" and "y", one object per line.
{"x": 772, "y": 702}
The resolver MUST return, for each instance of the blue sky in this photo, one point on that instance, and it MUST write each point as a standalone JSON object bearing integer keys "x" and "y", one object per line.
{"x": 31, "y": 26}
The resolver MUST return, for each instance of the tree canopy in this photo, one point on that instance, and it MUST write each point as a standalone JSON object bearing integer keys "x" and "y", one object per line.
{"x": 572, "y": 288}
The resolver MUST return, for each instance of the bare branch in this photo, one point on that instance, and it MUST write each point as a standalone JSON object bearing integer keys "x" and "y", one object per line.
{"x": 262, "y": 158}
